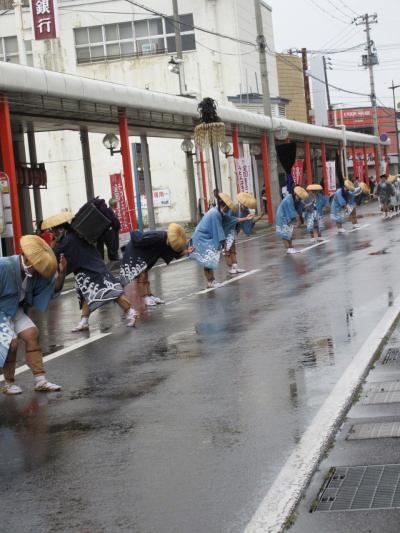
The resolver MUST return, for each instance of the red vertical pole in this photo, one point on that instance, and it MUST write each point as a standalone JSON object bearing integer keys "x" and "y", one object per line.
{"x": 377, "y": 169}
{"x": 127, "y": 167}
{"x": 203, "y": 180}
{"x": 366, "y": 165}
{"x": 7, "y": 154}
{"x": 235, "y": 142}
{"x": 308, "y": 162}
{"x": 267, "y": 179}
{"x": 355, "y": 167}
{"x": 236, "y": 152}
{"x": 324, "y": 169}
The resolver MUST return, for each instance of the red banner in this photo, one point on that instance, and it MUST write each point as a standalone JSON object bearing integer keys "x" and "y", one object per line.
{"x": 358, "y": 169}
{"x": 44, "y": 19}
{"x": 298, "y": 172}
{"x": 117, "y": 192}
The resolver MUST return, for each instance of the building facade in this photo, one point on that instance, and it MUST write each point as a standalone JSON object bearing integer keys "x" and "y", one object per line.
{"x": 291, "y": 85}
{"x": 119, "y": 42}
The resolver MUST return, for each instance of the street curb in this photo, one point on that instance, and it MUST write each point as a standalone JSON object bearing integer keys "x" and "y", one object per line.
{"x": 275, "y": 510}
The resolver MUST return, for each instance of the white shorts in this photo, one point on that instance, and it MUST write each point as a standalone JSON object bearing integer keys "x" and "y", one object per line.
{"x": 20, "y": 322}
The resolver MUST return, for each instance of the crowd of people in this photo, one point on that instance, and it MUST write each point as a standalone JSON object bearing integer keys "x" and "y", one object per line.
{"x": 310, "y": 205}
{"x": 34, "y": 277}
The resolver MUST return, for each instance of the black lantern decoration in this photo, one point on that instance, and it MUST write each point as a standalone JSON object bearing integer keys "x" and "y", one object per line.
{"x": 211, "y": 130}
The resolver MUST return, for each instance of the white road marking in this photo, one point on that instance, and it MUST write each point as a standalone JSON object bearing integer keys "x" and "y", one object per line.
{"x": 59, "y": 353}
{"x": 289, "y": 485}
{"x": 356, "y": 229}
{"x": 205, "y": 291}
{"x": 67, "y": 292}
{"x": 314, "y": 245}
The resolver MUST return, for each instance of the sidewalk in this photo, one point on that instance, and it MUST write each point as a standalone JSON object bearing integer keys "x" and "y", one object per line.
{"x": 357, "y": 485}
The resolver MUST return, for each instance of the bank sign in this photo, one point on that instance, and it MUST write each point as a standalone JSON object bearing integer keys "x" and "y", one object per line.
{"x": 44, "y": 17}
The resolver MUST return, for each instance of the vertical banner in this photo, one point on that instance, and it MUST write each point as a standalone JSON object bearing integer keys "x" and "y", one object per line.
{"x": 44, "y": 19}
{"x": 298, "y": 172}
{"x": 244, "y": 175}
{"x": 117, "y": 192}
{"x": 331, "y": 173}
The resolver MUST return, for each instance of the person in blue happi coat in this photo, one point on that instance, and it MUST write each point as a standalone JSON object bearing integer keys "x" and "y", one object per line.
{"x": 344, "y": 204}
{"x": 30, "y": 279}
{"x": 209, "y": 238}
{"x": 314, "y": 213}
{"x": 235, "y": 220}
{"x": 287, "y": 214}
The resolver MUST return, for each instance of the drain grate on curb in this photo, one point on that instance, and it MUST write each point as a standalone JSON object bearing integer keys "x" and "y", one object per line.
{"x": 391, "y": 356}
{"x": 360, "y": 488}
{"x": 379, "y": 430}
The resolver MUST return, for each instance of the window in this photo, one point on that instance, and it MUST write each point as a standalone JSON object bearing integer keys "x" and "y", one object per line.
{"x": 126, "y": 39}
{"x": 28, "y": 53}
{"x": 9, "y": 49}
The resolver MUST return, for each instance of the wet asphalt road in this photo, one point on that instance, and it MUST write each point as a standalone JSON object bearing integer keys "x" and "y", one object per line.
{"x": 183, "y": 424}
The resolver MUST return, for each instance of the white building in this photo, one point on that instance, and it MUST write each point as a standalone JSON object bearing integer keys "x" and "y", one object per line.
{"x": 116, "y": 40}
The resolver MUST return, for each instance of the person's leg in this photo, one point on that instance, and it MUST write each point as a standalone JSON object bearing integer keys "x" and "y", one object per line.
{"x": 210, "y": 276}
{"x": 9, "y": 370}
{"x": 84, "y": 321}
{"x": 144, "y": 289}
{"x": 130, "y": 313}
{"x": 234, "y": 260}
{"x": 353, "y": 217}
{"x": 34, "y": 359}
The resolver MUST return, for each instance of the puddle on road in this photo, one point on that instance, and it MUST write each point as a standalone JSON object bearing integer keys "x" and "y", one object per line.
{"x": 317, "y": 352}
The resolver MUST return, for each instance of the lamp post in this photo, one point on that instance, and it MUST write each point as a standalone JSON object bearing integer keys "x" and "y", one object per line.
{"x": 226, "y": 149}
{"x": 111, "y": 142}
{"x": 188, "y": 148}
{"x": 393, "y": 87}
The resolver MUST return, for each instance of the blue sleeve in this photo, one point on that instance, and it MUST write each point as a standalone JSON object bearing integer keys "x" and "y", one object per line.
{"x": 291, "y": 209}
{"x": 43, "y": 292}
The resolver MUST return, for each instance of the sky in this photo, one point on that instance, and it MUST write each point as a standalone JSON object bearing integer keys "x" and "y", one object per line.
{"x": 326, "y": 24}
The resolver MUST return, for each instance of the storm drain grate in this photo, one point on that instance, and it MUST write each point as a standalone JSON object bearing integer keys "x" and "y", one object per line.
{"x": 391, "y": 357}
{"x": 360, "y": 488}
{"x": 384, "y": 386}
{"x": 382, "y": 397}
{"x": 380, "y": 430}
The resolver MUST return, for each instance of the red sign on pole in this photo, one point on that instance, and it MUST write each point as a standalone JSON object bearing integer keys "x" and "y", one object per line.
{"x": 117, "y": 192}
{"x": 298, "y": 172}
{"x": 44, "y": 19}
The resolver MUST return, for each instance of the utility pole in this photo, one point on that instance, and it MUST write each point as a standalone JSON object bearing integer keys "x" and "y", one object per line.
{"x": 393, "y": 87}
{"x": 273, "y": 165}
{"x": 178, "y": 46}
{"x": 328, "y": 96}
{"x": 306, "y": 84}
{"x": 368, "y": 61}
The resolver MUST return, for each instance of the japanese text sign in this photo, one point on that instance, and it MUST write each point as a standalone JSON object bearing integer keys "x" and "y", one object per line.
{"x": 44, "y": 19}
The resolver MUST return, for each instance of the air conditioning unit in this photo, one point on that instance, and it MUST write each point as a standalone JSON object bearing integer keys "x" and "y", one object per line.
{"x": 149, "y": 48}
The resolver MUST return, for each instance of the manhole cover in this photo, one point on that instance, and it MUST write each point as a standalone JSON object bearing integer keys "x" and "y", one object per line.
{"x": 360, "y": 488}
{"x": 381, "y": 430}
{"x": 391, "y": 356}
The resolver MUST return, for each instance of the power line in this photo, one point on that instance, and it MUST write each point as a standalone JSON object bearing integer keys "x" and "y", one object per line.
{"x": 348, "y": 8}
{"x": 337, "y": 8}
{"x": 191, "y": 26}
{"x": 327, "y": 12}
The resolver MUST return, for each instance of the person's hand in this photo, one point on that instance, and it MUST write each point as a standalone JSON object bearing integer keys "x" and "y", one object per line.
{"x": 250, "y": 217}
{"x": 190, "y": 249}
{"x": 62, "y": 264}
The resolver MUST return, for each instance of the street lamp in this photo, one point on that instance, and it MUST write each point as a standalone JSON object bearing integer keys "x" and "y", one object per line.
{"x": 226, "y": 149}
{"x": 393, "y": 87}
{"x": 111, "y": 142}
{"x": 187, "y": 146}
{"x": 255, "y": 150}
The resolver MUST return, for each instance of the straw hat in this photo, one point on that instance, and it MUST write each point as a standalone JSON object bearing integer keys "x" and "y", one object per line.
{"x": 226, "y": 199}
{"x": 57, "y": 220}
{"x": 40, "y": 255}
{"x": 349, "y": 185}
{"x": 314, "y": 187}
{"x": 247, "y": 200}
{"x": 300, "y": 192}
{"x": 364, "y": 187}
{"x": 176, "y": 237}
{"x": 392, "y": 179}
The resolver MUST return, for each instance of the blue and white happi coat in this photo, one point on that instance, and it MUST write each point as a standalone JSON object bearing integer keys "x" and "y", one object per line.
{"x": 286, "y": 214}
{"x": 314, "y": 215}
{"x": 338, "y": 208}
{"x": 207, "y": 239}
